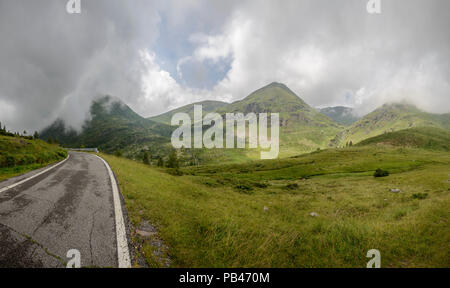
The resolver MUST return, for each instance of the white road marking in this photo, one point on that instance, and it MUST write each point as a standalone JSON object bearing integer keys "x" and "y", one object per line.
{"x": 32, "y": 177}
{"x": 123, "y": 253}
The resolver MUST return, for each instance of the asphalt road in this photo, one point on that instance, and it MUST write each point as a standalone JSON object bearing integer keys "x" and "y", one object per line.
{"x": 68, "y": 207}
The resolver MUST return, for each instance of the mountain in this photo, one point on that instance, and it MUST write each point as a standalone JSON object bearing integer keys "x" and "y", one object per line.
{"x": 208, "y": 106}
{"x": 340, "y": 114}
{"x": 389, "y": 118}
{"x": 113, "y": 125}
{"x": 302, "y": 128}
{"x": 430, "y": 138}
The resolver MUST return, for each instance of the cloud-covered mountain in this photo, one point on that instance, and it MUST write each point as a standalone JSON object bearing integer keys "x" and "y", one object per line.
{"x": 340, "y": 114}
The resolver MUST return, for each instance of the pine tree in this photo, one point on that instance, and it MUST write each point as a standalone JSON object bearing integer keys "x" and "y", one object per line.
{"x": 173, "y": 160}
{"x": 146, "y": 158}
{"x": 160, "y": 162}
{"x": 36, "y": 135}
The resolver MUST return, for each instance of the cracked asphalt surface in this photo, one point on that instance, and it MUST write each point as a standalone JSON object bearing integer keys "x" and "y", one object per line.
{"x": 68, "y": 207}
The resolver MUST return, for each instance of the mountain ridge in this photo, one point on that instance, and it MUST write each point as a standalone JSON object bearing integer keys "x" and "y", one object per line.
{"x": 303, "y": 129}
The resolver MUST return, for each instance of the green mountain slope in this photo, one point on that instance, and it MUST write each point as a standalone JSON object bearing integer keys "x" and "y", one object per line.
{"x": 113, "y": 125}
{"x": 430, "y": 138}
{"x": 208, "y": 106}
{"x": 340, "y": 114}
{"x": 390, "y": 118}
{"x": 302, "y": 128}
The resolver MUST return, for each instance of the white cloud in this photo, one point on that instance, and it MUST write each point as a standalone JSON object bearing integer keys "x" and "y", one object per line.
{"x": 325, "y": 51}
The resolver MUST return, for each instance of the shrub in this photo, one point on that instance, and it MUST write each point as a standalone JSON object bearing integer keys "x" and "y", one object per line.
{"x": 146, "y": 158}
{"x": 173, "y": 160}
{"x": 291, "y": 186}
{"x": 260, "y": 185}
{"x": 175, "y": 172}
{"x": 245, "y": 188}
{"x": 119, "y": 153}
{"x": 420, "y": 196}
{"x": 380, "y": 173}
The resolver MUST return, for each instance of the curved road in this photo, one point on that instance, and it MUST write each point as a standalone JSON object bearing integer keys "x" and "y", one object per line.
{"x": 68, "y": 207}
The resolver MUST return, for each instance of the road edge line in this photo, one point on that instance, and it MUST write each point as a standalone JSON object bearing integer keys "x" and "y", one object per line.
{"x": 4, "y": 189}
{"x": 123, "y": 253}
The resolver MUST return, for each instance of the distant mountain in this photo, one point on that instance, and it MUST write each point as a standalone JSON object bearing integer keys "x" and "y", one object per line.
{"x": 340, "y": 114}
{"x": 113, "y": 125}
{"x": 389, "y": 118}
{"x": 208, "y": 106}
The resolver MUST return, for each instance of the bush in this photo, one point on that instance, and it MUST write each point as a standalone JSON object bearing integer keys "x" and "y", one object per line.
{"x": 119, "y": 153}
{"x": 146, "y": 158}
{"x": 245, "y": 188}
{"x": 173, "y": 160}
{"x": 420, "y": 196}
{"x": 260, "y": 185}
{"x": 291, "y": 186}
{"x": 381, "y": 173}
{"x": 175, "y": 172}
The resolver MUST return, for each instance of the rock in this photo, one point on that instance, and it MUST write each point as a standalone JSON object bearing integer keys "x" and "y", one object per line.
{"x": 146, "y": 230}
{"x": 313, "y": 214}
{"x": 395, "y": 190}
{"x": 143, "y": 233}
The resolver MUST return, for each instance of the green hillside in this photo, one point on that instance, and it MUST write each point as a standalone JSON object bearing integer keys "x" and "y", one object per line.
{"x": 208, "y": 106}
{"x": 390, "y": 118}
{"x": 302, "y": 128}
{"x": 113, "y": 125}
{"x": 423, "y": 137}
{"x": 340, "y": 114}
{"x": 19, "y": 155}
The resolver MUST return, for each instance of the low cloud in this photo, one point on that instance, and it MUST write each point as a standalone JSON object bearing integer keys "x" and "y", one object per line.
{"x": 158, "y": 55}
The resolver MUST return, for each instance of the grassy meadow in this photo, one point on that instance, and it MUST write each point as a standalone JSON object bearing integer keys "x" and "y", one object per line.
{"x": 258, "y": 214}
{"x": 19, "y": 155}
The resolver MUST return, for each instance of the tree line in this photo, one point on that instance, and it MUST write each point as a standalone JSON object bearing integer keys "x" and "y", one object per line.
{"x": 5, "y": 132}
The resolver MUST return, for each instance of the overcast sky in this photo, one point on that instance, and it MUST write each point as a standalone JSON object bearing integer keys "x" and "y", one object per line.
{"x": 158, "y": 55}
